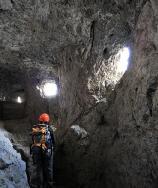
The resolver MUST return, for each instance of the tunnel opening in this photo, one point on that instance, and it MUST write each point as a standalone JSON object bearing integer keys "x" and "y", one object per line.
{"x": 19, "y": 99}
{"x": 119, "y": 63}
{"x": 48, "y": 88}
{"x": 108, "y": 72}
{"x": 13, "y": 95}
{"x": 26, "y": 94}
{"x": 123, "y": 61}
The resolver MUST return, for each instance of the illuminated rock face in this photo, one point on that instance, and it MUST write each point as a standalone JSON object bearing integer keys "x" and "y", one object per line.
{"x": 12, "y": 168}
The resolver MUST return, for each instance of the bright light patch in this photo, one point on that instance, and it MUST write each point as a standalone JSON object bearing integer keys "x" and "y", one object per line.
{"x": 50, "y": 89}
{"x": 123, "y": 61}
{"x": 19, "y": 100}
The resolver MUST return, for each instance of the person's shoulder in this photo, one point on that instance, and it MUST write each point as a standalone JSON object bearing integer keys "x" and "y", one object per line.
{"x": 37, "y": 125}
{"x": 34, "y": 126}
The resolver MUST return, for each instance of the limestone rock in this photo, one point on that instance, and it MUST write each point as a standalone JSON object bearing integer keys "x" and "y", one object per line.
{"x": 79, "y": 131}
{"x": 5, "y": 5}
{"x": 123, "y": 134}
{"x": 12, "y": 168}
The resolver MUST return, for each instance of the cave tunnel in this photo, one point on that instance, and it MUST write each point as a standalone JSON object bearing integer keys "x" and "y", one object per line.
{"x": 12, "y": 102}
{"x": 92, "y": 66}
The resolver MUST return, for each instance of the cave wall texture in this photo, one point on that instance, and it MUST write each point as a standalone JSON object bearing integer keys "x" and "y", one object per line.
{"x": 67, "y": 38}
{"x": 12, "y": 168}
{"x": 76, "y": 42}
{"x": 120, "y": 149}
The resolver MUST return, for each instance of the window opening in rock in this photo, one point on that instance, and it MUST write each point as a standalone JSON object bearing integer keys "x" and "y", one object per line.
{"x": 19, "y": 99}
{"x": 108, "y": 72}
{"x": 117, "y": 66}
{"x": 123, "y": 61}
{"x": 48, "y": 89}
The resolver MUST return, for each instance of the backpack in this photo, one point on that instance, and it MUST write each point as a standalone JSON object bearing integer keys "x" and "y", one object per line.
{"x": 41, "y": 136}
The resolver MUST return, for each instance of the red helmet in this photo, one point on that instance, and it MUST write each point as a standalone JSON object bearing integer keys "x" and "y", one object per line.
{"x": 44, "y": 117}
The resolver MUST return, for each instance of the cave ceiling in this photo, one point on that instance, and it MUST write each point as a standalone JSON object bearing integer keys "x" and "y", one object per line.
{"x": 32, "y": 33}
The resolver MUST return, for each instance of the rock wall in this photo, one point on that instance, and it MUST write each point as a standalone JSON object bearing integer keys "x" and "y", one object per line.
{"x": 12, "y": 168}
{"x": 120, "y": 149}
{"x": 87, "y": 65}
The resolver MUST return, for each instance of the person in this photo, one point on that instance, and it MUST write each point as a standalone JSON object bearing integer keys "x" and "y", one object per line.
{"x": 42, "y": 153}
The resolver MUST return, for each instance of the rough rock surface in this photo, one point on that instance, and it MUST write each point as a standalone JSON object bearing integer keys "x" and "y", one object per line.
{"x": 72, "y": 40}
{"x": 121, "y": 150}
{"x": 12, "y": 168}
{"x": 77, "y": 42}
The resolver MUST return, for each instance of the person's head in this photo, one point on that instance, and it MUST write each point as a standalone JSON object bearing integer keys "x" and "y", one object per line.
{"x": 44, "y": 118}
